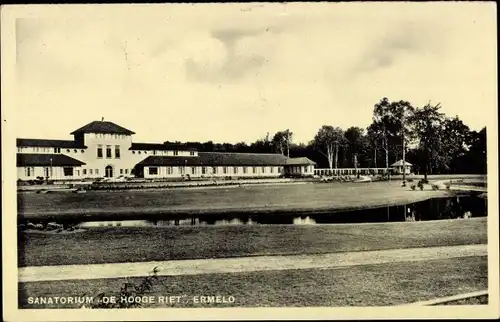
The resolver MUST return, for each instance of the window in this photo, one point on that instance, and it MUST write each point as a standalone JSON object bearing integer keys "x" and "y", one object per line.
{"x": 67, "y": 150}
{"x": 82, "y": 150}
{"x": 99, "y": 151}
{"x": 139, "y": 152}
{"x": 47, "y": 172}
{"x": 68, "y": 171}
{"x": 29, "y": 171}
{"x": 244, "y": 169}
{"x": 272, "y": 169}
{"x": 84, "y": 171}
{"x": 57, "y": 150}
{"x": 96, "y": 171}
{"x": 154, "y": 152}
{"x": 176, "y": 152}
{"x": 121, "y": 171}
{"x": 280, "y": 169}
{"x": 133, "y": 152}
{"x": 153, "y": 170}
{"x": 254, "y": 169}
{"x": 235, "y": 169}
{"x": 126, "y": 171}
{"x": 203, "y": 170}
{"x": 77, "y": 173}
{"x": 214, "y": 170}
{"x": 191, "y": 153}
{"x": 193, "y": 170}
{"x": 224, "y": 170}
{"x": 263, "y": 169}
{"x": 108, "y": 151}
{"x": 75, "y": 150}
{"x": 117, "y": 151}
{"x": 170, "y": 170}
{"x": 90, "y": 171}
{"x": 35, "y": 149}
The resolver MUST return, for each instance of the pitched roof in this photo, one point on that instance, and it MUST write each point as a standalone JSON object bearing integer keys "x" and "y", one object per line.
{"x": 55, "y": 160}
{"x": 217, "y": 159}
{"x": 103, "y": 127}
{"x": 400, "y": 163}
{"x": 49, "y": 143}
{"x": 300, "y": 161}
{"x": 244, "y": 159}
{"x": 157, "y": 160}
{"x": 160, "y": 147}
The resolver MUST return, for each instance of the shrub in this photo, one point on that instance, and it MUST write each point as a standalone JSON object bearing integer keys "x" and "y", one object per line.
{"x": 425, "y": 181}
{"x": 127, "y": 290}
{"x": 435, "y": 187}
{"x": 448, "y": 186}
{"x": 410, "y": 180}
{"x": 413, "y": 187}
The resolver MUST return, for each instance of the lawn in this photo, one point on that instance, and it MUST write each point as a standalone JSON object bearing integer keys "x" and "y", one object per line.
{"x": 137, "y": 244}
{"x": 280, "y": 198}
{"x": 369, "y": 285}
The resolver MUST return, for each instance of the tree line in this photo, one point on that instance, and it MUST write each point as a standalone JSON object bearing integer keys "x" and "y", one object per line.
{"x": 424, "y": 136}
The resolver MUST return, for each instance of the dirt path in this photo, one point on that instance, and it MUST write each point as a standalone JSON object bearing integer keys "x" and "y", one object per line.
{"x": 246, "y": 264}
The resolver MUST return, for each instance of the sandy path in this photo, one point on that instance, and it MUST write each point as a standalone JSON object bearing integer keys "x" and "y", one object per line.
{"x": 246, "y": 264}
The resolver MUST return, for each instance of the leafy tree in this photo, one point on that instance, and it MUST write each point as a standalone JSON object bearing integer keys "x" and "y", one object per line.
{"x": 383, "y": 124}
{"x": 282, "y": 140}
{"x": 354, "y": 139}
{"x": 328, "y": 141}
{"x": 456, "y": 139}
{"x": 428, "y": 125}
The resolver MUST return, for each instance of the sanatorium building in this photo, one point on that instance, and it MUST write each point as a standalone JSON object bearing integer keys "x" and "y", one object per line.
{"x": 105, "y": 149}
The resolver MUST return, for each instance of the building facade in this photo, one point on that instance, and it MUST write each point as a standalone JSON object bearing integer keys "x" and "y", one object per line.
{"x": 103, "y": 149}
{"x": 399, "y": 167}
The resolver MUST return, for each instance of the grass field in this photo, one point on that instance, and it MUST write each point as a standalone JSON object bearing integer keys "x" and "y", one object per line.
{"x": 282, "y": 198}
{"x": 136, "y": 244}
{"x": 370, "y": 285}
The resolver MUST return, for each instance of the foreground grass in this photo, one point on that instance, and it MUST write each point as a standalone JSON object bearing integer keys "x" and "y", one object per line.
{"x": 268, "y": 199}
{"x": 134, "y": 244}
{"x": 369, "y": 285}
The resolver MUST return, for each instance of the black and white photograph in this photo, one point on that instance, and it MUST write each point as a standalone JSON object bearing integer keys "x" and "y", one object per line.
{"x": 318, "y": 160}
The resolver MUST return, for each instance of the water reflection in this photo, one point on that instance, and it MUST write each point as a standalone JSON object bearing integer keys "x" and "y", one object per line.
{"x": 433, "y": 209}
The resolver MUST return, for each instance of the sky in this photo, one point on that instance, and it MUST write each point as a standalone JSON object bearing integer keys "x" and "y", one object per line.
{"x": 233, "y": 72}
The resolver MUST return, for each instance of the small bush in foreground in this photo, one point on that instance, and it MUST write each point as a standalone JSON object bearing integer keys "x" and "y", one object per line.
{"x": 413, "y": 187}
{"x": 127, "y": 291}
{"x": 435, "y": 187}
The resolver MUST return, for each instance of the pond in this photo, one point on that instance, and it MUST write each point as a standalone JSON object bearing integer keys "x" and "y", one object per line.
{"x": 431, "y": 209}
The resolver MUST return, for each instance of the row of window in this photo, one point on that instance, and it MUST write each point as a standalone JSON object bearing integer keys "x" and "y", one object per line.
{"x": 191, "y": 153}
{"x": 109, "y": 136}
{"x": 48, "y": 150}
{"x": 47, "y": 172}
{"x": 225, "y": 170}
{"x": 108, "y": 151}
